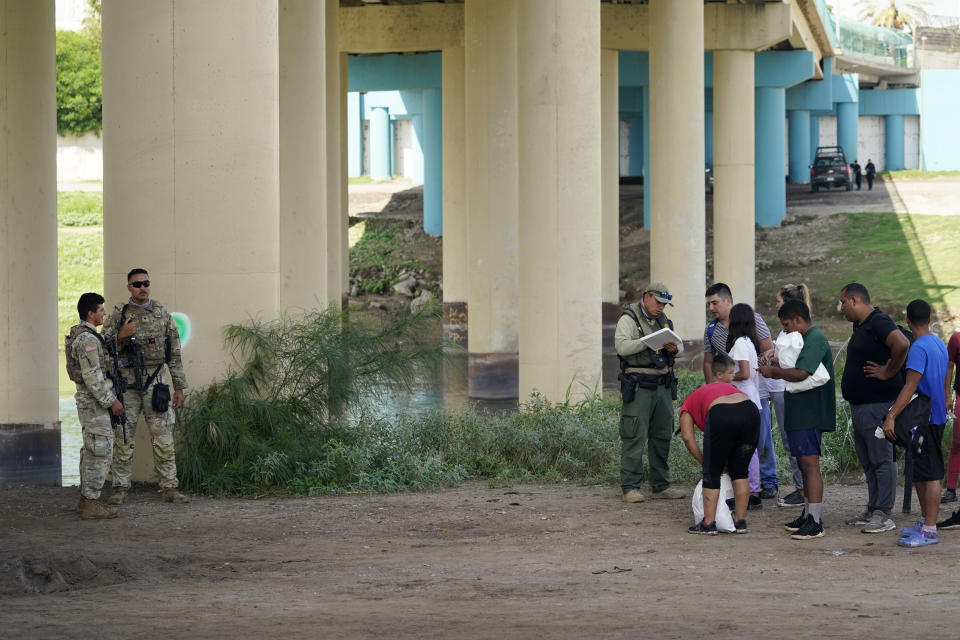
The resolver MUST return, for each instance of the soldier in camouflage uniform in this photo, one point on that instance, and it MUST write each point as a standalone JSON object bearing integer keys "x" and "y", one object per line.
{"x": 143, "y": 325}
{"x": 95, "y": 400}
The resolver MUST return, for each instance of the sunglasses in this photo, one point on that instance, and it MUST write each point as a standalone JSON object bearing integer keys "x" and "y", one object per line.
{"x": 136, "y": 284}
{"x": 661, "y": 294}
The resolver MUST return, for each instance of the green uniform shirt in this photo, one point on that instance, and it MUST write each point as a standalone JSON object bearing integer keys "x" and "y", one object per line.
{"x": 816, "y": 408}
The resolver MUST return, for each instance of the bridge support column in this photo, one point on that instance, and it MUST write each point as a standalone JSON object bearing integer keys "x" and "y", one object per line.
{"x": 799, "y": 146}
{"x": 770, "y": 201}
{"x": 848, "y": 114}
{"x": 635, "y": 147}
{"x": 893, "y": 143}
{"x": 454, "y": 198}
{"x": 560, "y": 196}
{"x": 676, "y": 189}
{"x": 354, "y": 135}
{"x": 490, "y": 39}
{"x": 814, "y": 137}
{"x": 645, "y": 141}
{"x": 379, "y": 143}
{"x": 29, "y": 413}
{"x": 432, "y": 162}
{"x": 610, "y": 169}
{"x": 733, "y": 205}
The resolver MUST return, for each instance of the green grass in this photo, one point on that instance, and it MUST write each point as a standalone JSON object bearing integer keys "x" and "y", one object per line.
{"x": 917, "y": 173}
{"x": 378, "y": 254}
{"x": 899, "y": 258}
{"x": 79, "y": 209}
{"x": 80, "y": 268}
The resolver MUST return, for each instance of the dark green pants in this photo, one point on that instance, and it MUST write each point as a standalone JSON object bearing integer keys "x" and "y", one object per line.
{"x": 648, "y": 418}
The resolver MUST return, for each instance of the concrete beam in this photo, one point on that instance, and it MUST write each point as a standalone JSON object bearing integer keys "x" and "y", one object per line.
{"x": 726, "y": 26}
{"x": 809, "y": 32}
{"x": 394, "y": 71}
{"x": 401, "y": 28}
{"x": 783, "y": 68}
{"x": 888, "y": 102}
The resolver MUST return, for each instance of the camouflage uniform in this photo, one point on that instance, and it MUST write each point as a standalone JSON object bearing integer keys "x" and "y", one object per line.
{"x": 94, "y": 398}
{"x": 154, "y": 324}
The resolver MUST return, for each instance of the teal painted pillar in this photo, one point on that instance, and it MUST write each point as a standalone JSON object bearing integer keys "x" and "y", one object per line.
{"x": 770, "y": 189}
{"x": 708, "y": 138}
{"x": 893, "y": 143}
{"x": 432, "y": 162}
{"x": 379, "y": 143}
{"x": 354, "y": 135}
{"x": 814, "y": 136}
{"x": 416, "y": 162}
{"x": 848, "y": 114}
{"x": 635, "y": 147}
{"x": 798, "y": 130}
{"x": 646, "y": 156}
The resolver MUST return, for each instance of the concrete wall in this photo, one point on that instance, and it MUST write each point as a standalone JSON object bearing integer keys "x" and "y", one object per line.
{"x": 939, "y": 97}
{"x": 624, "y": 147}
{"x": 870, "y": 141}
{"x": 911, "y": 142}
{"x": 407, "y": 156}
{"x": 79, "y": 159}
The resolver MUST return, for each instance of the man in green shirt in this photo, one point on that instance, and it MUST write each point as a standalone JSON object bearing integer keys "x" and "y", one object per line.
{"x": 808, "y": 413}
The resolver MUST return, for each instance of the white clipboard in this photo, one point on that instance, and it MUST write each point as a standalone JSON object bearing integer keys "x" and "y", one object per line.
{"x": 657, "y": 339}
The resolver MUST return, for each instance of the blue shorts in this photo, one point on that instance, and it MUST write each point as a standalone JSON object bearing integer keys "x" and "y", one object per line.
{"x": 804, "y": 442}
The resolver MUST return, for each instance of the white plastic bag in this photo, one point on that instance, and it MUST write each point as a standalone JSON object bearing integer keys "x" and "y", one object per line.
{"x": 724, "y": 517}
{"x": 789, "y": 346}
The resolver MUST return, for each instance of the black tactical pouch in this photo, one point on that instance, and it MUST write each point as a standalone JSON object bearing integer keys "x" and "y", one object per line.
{"x": 161, "y": 397}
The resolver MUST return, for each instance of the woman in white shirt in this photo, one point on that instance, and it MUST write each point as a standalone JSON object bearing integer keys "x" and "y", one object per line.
{"x": 743, "y": 346}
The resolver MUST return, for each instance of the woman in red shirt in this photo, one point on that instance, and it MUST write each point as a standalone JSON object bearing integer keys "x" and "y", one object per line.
{"x": 730, "y": 422}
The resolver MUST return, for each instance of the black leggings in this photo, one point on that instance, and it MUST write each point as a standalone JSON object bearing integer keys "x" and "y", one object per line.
{"x": 729, "y": 440}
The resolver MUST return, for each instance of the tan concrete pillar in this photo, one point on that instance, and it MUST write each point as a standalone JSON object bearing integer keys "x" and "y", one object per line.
{"x": 191, "y": 165}
{"x": 560, "y": 197}
{"x": 304, "y": 204}
{"x": 677, "y": 234}
{"x": 490, "y": 57}
{"x": 29, "y": 420}
{"x": 454, "y": 198}
{"x": 610, "y": 191}
{"x": 733, "y": 221}
{"x": 336, "y": 216}
{"x": 344, "y": 189}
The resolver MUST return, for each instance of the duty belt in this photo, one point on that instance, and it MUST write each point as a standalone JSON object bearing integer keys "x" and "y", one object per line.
{"x": 647, "y": 371}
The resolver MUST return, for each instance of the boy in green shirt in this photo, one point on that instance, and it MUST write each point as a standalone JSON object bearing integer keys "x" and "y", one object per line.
{"x": 808, "y": 413}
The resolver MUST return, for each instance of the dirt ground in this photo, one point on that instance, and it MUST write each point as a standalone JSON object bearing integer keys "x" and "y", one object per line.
{"x": 472, "y": 562}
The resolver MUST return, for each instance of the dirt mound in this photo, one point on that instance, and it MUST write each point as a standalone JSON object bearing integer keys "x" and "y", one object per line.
{"x": 50, "y": 574}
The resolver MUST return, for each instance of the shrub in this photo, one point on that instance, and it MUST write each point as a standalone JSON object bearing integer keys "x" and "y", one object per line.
{"x": 79, "y": 92}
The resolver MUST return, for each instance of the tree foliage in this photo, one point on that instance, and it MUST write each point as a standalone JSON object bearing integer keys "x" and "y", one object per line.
{"x": 79, "y": 90}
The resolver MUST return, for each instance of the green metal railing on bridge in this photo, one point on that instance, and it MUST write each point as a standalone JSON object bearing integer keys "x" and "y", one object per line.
{"x": 875, "y": 44}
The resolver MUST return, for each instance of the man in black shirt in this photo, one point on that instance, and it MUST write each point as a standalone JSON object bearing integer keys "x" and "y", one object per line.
{"x": 872, "y": 378}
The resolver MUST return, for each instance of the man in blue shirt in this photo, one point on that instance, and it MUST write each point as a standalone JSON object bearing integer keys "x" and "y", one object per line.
{"x": 926, "y": 372}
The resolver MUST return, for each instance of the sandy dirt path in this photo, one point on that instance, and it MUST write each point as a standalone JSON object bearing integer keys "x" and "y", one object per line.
{"x": 471, "y": 562}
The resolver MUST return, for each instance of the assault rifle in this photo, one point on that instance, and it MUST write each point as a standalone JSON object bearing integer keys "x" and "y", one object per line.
{"x": 119, "y": 384}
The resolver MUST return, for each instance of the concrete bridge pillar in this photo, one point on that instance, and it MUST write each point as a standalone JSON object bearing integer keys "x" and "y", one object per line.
{"x": 354, "y": 134}
{"x": 771, "y": 190}
{"x": 635, "y": 147}
{"x": 676, "y": 189}
{"x": 310, "y": 214}
{"x": 848, "y": 117}
{"x": 454, "y": 198}
{"x": 893, "y": 143}
{"x": 29, "y": 413}
{"x": 733, "y": 205}
{"x": 490, "y": 43}
{"x": 560, "y": 199}
{"x": 379, "y": 143}
{"x": 645, "y": 141}
{"x": 432, "y": 162}
{"x": 799, "y": 146}
{"x": 207, "y": 195}
{"x": 610, "y": 188}
{"x": 814, "y": 137}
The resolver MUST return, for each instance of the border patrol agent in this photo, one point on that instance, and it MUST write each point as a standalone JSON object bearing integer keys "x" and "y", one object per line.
{"x": 147, "y": 338}
{"x": 648, "y": 387}
{"x": 88, "y": 364}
